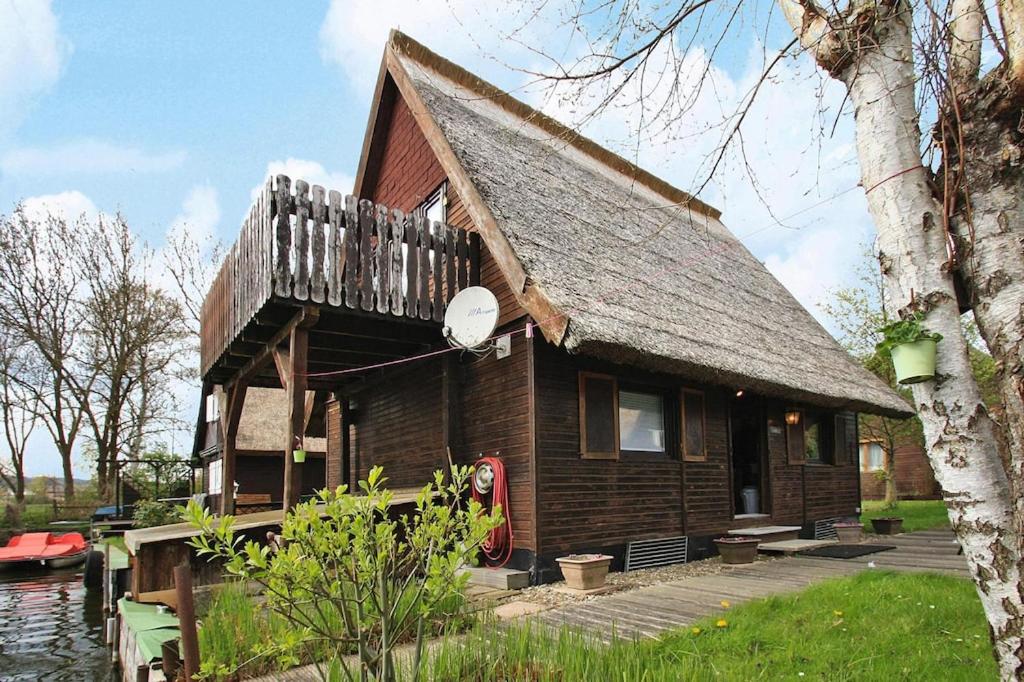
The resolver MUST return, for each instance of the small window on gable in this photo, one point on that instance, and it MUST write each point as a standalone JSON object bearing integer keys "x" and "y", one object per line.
{"x": 599, "y": 407}
{"x": 872, "y": 457}
{"x": 641, "y": 422}
{"x": 693, "y": 446}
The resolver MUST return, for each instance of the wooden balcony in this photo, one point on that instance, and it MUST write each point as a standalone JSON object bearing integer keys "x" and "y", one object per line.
{"x": 375, "y": 283}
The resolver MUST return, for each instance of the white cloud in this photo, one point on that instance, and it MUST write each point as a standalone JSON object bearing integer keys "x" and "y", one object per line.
{"x": 311, "y": 171}
{"x": 71, "y": 205}
{"x": 199, "y": 216}
{"x": 87, "y": 156}
{"x": 32, "y": 56}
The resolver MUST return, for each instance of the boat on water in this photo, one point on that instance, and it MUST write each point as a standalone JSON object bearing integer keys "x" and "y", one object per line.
{"x": 52, "y": 551}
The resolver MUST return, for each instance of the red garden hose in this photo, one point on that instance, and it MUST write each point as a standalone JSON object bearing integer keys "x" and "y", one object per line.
{"x": 497, "y": 546}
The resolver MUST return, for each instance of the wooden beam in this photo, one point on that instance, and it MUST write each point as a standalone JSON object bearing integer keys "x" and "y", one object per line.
{"x": 449, "y": 399}
{"x": 230, "y": 418}
{"x": 306, "y": 317}
{"x": 296, "y": 388}
{"x": 283, "y": 363}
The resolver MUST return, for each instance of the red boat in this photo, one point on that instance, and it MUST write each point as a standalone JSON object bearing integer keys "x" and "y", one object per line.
{"x": 53, "y": 551}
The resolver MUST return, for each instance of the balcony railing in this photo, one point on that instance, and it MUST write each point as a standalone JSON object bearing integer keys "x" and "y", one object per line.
{"x": 324, "y": 248}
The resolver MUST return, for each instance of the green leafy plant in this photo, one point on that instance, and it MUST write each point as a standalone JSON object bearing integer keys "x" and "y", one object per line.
{"x": 907, "y": 330}
{"x": 150, "y": 513}
{"x": 348, "y": 574}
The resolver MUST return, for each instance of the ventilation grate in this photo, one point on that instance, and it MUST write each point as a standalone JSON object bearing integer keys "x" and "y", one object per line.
{"x": 651, "y": 553}
{"x": 825, "y": 529}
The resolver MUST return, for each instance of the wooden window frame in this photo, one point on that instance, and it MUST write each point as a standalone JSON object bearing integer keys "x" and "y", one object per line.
{"x": 864, "y": 457}
{"x": 684, "y": 453}
{"x": 585, "y": 452}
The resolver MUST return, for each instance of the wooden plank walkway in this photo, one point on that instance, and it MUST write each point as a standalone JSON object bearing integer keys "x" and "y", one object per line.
{"x": 649, "y": 611}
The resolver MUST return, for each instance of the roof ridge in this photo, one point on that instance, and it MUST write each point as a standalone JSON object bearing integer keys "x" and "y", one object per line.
{"x": 405, "y": 45}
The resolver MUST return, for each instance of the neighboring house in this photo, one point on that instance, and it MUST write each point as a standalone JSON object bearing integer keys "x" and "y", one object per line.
{"x": 656, "y": 369}
{"x": 914, "y": 477}
{"x": 259, "y": 445}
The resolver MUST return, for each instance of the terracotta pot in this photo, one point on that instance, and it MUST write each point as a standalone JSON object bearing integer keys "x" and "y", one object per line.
{"x": 738, "y": 551}
{"x": 849, "y": 533}
{"x": 584, "y": 571}
{"x": 891, "y": 525}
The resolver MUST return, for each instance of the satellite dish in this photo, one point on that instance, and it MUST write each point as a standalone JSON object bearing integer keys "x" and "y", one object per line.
{"x": 471, "y": 317}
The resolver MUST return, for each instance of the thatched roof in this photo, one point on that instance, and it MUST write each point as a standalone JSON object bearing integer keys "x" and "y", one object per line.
{"x": 644, "y": 276}
{"x": 261, "y": 426}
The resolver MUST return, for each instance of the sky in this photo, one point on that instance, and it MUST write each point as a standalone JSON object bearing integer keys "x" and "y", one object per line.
{"x": 172, "y": 113}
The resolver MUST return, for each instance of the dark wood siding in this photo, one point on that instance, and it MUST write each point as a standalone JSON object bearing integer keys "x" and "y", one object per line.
{"x": 592, "y": 503}
{"x": 332, "y": 417}
{"x": 787, "y": 480}
{"x": 706, "y": 492}
{"x": 493, "y": 418}
{"x": 397, "y": 424}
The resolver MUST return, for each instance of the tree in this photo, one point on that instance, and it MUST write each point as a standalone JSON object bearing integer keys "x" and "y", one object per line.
{"x": 79, "y": 299}
{"x": 19, "y": 407}
{"x": 954, "y": 213}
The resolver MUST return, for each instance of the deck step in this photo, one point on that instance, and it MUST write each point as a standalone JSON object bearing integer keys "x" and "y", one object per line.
{"x": 499, "y": 578}
{"x": 789, "y": 547}
{"x": 768, "y": 533}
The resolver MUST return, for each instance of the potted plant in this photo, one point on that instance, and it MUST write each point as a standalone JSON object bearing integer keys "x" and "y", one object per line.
{"x": 848, "y": 532}
{"x": 299, "y": 456}
{"x": 912, "y": 348}
{"x": 737, "y": 550}
{"x": 584, "y": 571}
{"x": 888, "y": 525}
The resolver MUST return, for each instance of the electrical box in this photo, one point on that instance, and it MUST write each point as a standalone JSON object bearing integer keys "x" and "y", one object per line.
{"x": 504, "y": 346}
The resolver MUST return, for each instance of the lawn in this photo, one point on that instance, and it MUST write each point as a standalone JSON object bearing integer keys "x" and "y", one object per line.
{"x": 873, "y": 626}
{"x": 917, "y": 514}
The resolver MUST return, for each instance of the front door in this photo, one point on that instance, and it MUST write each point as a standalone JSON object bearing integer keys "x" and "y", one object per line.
{"x": 749, "y": 463}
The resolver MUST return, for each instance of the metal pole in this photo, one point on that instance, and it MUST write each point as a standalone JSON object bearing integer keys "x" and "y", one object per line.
{"x": 187, "y": 619}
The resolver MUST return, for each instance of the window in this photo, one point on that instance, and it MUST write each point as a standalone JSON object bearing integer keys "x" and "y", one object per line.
{"x": 641, "y": 422}
{"x": 434, "y": 207}
{"x": 872, "y": 457}
{"x": 215, "y": 477}
{"x": 812, "y": 438}
{"x": 694, "y": 449}
{"x": 599, "y": 424}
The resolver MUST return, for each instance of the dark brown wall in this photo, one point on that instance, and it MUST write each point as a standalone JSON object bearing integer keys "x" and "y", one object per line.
{"x": 787, "y": 480}
{"x": 492, "y": 418}
{"x": 592, "y": 503}
{"x": 707, "y": 494}
{"x": 264, "y": 474}
{"x": 398, "y": 424}
{"x": 914, "y": 477}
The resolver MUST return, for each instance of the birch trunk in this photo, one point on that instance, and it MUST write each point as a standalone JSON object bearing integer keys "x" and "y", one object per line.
{"x": 878, "y": 71}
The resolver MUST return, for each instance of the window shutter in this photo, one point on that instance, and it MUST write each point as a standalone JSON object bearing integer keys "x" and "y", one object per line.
{"x": 694, "y": 446}
{"x": 845, "y": 438}
{"x": 599, "y": 408}
{"x": 795, "y": 445}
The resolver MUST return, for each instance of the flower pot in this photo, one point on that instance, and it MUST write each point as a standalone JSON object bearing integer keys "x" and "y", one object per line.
{"x": 299, "y": 456}
{"x": 849, "y": 533}
{"x": 737, "y": 550}
{"x": 914, "y": 362}
{"x": 584, "y": 571}
{"x": 890, "y": 525}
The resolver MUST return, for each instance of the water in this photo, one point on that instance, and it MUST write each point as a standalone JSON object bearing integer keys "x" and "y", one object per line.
{"x": 51, "y": 628}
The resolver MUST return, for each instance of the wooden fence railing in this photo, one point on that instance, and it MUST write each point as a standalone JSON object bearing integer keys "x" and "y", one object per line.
{"x": 334, "y": 250}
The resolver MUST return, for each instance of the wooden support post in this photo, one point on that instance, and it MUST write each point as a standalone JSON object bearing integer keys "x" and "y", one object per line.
{"x": 229, "y": 418}
{"x": 187, "y": 619}
{"x": 349, "y": 474}
{"x": 295, "y": 385}
{"x": 449, "y": 386}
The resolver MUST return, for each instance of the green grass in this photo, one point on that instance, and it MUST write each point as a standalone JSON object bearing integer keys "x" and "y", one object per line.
{"x": 872, "y": 626}
{"x": 917, "y": 514}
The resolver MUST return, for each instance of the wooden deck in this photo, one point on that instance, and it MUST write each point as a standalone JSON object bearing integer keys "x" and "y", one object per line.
{"x": 649, "y": 611}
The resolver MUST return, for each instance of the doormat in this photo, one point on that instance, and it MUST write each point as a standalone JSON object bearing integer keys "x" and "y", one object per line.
{"x": 845, "y": 551}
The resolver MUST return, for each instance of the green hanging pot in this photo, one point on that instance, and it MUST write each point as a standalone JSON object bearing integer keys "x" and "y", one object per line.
{"x": 914, "y": 362}
{"x": 299, "y": 456}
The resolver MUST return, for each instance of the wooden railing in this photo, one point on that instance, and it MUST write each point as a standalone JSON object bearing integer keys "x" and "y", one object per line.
{"x": 333, "y": 250}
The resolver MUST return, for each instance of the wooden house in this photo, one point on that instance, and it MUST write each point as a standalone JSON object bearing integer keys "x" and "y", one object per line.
{"x": 659, "y": 381}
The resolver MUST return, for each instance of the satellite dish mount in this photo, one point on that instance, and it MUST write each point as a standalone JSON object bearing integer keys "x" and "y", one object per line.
{"x": 470, "y": 320}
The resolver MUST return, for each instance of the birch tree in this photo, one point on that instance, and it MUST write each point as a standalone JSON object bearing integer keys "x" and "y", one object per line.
{"x": 940, "y": 147}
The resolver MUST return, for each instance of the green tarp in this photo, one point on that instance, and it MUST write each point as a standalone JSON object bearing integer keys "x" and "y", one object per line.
{"x": 151, "y": 628}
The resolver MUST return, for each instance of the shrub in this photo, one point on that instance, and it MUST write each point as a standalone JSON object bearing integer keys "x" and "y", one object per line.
{"x": 350, "y": 578}
{"x": 150, "y": 513}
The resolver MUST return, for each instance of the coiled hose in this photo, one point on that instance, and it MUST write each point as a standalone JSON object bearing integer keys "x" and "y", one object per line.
{"x": 497, "y": 546}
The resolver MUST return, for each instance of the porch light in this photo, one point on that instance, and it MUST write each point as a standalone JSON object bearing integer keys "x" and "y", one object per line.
{"x": 739, "y": 393}
{"x": 793, "y": 417}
